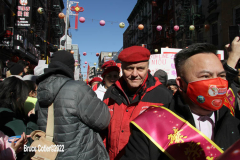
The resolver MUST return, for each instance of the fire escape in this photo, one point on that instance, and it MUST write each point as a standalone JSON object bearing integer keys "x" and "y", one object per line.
{"x": 183, "y": 14}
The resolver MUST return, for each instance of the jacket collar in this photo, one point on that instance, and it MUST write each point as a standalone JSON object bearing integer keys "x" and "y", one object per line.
{"x": 55, "y": 68}
{"x": 181, "y": 108}
{"x": 148, "y": 84}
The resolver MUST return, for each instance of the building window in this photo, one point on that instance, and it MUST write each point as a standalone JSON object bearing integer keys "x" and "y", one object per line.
{"x": 215, "y": 34}
{"x": 171, "y": 27}
{"x": 164, "y": 8}
{"x": 210, "y": 1}
{"x": 237, "y": 15}
{"x": 170, "y": 4}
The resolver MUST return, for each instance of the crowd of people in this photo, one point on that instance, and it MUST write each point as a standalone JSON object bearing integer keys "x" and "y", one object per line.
{"x": 136, "y": 116}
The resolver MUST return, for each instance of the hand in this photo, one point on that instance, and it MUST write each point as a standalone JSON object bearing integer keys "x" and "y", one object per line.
{"x": 31, "y": 112}
{"x": 234, "y": 52}
{"x": 18, "y": 146}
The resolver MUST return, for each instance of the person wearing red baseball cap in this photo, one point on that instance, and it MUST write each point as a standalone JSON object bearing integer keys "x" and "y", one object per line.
{"x": 110, "y": 75}
{"x": 131, "y": 95}
{"x": 95, "y": 81}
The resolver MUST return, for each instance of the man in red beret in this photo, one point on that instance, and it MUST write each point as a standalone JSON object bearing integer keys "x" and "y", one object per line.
{"x": 110, "y": 75}
{"x": 131, "y": 95}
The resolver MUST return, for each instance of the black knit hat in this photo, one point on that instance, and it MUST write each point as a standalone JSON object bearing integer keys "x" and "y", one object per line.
{"x": 16, "y": 69}
{"x": 162, "y": 76}
{"x": 172, "y": 82}
{"x": 64, "y": 57}
{"x": 10, "y": 64}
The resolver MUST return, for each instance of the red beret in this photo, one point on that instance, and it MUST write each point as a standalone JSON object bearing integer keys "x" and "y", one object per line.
{"x": 134, "y": 54}
{"x": 110, "y": 69}
{"x": 109, "y": 64}
{"x": 95, "y": 79}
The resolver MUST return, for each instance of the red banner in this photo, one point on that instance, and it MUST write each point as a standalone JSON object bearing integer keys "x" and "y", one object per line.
{"x": 88, "y": 70}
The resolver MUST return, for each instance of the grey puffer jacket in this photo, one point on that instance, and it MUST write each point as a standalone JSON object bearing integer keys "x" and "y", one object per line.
{"x": 78, "y": 116}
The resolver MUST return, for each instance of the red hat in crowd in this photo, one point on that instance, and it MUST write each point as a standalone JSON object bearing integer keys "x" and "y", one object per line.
{"x": 110, "y": 69}
{"x": 95, "y": 79}
{"x": 134, "y": 54}
{"x": 109, "y": 64}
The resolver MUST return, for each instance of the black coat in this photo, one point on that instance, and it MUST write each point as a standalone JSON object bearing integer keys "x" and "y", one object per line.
{"x": 231, "y": 75}
{"x": 226, "y": 132}
{"x": 78, "y": 115}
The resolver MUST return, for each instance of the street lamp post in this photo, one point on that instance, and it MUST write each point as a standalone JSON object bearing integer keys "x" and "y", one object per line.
{"x": 66, "y": 25}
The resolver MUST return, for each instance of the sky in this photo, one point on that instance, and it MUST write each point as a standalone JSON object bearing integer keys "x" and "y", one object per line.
{"x": 93, "y": 38}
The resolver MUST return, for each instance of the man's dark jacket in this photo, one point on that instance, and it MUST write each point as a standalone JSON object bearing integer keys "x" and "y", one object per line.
{"x": 226, "y": 133}
{"x": 78, "y": 114}
{"x": 231, "y": 75}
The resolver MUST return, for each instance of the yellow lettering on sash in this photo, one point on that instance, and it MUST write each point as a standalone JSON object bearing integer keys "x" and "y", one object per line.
{"x": 193, "y": 151}
{"x": 176, "y": 137}
{"x": 209, "y": 158}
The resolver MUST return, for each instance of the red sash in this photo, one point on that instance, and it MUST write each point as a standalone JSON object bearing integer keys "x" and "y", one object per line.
{"x": 174, "y": 136}
{"x": 230, "y": 101}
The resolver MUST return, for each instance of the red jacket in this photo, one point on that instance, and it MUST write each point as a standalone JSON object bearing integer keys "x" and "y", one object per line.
{"x": 152, "y": 92}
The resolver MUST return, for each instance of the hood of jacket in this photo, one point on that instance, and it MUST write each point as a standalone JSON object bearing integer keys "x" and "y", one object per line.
{"x": 51, "y": 82}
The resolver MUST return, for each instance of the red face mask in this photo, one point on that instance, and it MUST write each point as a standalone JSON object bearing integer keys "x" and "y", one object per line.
{"x": 208, "y": 94}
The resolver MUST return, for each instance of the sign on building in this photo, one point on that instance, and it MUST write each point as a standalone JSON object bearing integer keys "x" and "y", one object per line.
{"x": 69, "y": 43}
{"x": 24, "y": 13}
{"x": 92, "y": 72}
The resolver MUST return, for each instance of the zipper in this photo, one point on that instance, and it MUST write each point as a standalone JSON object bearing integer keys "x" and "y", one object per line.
{"x": 124, "y": 95}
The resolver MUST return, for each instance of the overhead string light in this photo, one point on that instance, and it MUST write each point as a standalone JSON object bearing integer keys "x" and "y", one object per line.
{"x": 122, "y": 24}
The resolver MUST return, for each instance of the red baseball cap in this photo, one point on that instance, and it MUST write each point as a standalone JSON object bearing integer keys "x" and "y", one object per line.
{"x": 134, "y": 54}
{"x": 95, "y": 79}
{"x": 110, "y": 69}
{"x": 109, "y": 64}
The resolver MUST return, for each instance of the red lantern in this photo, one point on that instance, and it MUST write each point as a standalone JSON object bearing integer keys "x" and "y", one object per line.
{"x": 140, "y": 27}
{"x": 84, "y": 53}
{"x": 15, "y": 59}
{"x": 176, "y": 28}
{"x": 207, "y": 27}
{"x": 8, "y": 33}
{"x": 83, "y": 66}
{"x": 85, "y": 62}
{"x": 97, "y": 54}
{"x": 102, "y": 23}
{"x": 82, "y": 19}
{"x": 61, "y": 15}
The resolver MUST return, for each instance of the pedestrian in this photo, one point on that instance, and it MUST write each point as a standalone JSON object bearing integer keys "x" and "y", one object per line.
{"x": 25, "y": 66}
{"x": 95, "y": 81}
{"x": 233, "y": 76}
{"x": 8, "y": 150}
{"x": 15, "y": 70}
{"x": 172, "y": 85}
{"x": 162, "y": 76}
{"x": 196, "y": 115}
{"x": 78, "y": 114}
{"x": 13, "y": 121}
{"x": 110, "y": 75}
{"x": 131, "y": 95}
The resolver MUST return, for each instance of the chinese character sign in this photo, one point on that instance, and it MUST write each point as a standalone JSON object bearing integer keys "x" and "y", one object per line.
{"x": 24, "y": 13}
{"x": 164, "y": 62}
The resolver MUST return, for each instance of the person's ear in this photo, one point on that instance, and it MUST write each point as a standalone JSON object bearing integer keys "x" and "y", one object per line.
{"x": 182, "y": 86}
